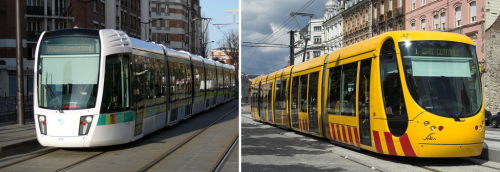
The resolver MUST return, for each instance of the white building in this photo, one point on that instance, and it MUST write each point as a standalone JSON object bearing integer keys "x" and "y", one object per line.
{"x": 315, "y": 47}
{"x": 332, "y": 24}
{"x": 325, "y": 34}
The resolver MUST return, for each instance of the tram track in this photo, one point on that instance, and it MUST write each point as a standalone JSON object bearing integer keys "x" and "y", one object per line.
{"x": 186, "y": 141}
{"x": 415, "y": 162}
{"x": 226, "y": 155}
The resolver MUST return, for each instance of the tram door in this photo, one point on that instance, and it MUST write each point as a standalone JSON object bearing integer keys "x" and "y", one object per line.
{"x": 269, "y": 102}
{"x": 363, "y": 102}
{"x": 139, "y": 93}
{"x": 294, "y": 113}
{"x": 259, "y": 99}
{"x": 312, "y": 101}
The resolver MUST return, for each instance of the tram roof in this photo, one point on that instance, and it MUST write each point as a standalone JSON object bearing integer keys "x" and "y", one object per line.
{"x": 372, "y": 45}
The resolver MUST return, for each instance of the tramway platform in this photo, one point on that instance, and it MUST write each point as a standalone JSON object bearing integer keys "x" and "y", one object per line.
{"x": 491, "y": 147}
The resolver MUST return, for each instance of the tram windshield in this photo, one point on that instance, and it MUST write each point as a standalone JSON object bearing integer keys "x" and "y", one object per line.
{"x": 68, "y": 69}
{"x": 443, "y": 77}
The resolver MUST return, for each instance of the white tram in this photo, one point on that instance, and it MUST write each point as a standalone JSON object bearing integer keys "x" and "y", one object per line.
{"x": 101, "y": 87}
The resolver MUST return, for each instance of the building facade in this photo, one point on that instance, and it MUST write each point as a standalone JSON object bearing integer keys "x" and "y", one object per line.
{"x": 388, "y": 15}
{"x": 176, "y": 24}
{"x": 332, "y": 25}
{"x": 356, "y": 17}
{"x": 466, "y": 17}
{"x": 315, "y": 48}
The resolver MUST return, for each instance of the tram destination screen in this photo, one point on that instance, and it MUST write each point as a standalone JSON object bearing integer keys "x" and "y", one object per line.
{"x": 60, "y": 46}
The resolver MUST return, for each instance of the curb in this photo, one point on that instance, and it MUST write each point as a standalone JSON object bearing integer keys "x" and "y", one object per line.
{"x": 20, "y": 147}
{"x": 489, "y": 155}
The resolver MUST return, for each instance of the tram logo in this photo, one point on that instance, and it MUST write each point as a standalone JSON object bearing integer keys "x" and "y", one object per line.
{"x": 429, "y": 137}
{"x": 61, "y": 121}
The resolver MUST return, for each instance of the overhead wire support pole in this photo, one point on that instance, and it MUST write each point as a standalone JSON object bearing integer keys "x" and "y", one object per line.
{"x": 234, "y": 14}
{"x": 19, "y": 67}
{"x": 292, "y": 46}
{"x": 301, "y": 31}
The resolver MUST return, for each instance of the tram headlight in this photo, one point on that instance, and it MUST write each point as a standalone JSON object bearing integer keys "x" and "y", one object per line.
{"x": 85, "y": 123}
{"x": 42, "y": 124}
{"x": 88, "y": 119}
{"x": 426, "y": 123}
{"x": 433, "y": 128}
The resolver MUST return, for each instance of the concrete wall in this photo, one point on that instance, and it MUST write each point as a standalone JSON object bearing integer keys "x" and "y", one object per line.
{"x": 492, "y": 68}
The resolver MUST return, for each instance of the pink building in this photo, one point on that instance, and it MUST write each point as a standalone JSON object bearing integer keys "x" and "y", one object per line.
{"x": 459, "y": 16}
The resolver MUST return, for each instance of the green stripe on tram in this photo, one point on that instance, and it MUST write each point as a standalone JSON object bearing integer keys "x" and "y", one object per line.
{"x": 115, "y": 118}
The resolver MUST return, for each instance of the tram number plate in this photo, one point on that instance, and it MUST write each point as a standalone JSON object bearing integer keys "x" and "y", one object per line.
{"x": 61, "y": 139}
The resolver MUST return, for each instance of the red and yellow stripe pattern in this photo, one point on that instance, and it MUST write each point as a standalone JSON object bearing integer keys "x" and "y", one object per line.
{"x": 304, "y": 125}
{"x": 384, "y": 143}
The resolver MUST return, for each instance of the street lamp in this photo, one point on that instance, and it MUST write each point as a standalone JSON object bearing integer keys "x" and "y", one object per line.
{"x": 147, "y": 37}
{"x": 85, "y": 2}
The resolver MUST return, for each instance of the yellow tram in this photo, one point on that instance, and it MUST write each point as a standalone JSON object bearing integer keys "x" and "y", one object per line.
{"x": 403, "y": 93}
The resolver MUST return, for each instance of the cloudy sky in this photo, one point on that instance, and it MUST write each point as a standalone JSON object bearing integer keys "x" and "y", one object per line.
{"x": 260, "y": 18}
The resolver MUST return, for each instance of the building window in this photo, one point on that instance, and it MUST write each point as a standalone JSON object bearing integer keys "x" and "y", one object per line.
{"x": 474, "y": 40}
{"x": 167, "y": 24}
{"x": 158, "y": 37}
{"x": 317, "y": 53}
{"x": 423, "y": 2}
{"x": 473, "y": 12}
{"x": 167, "y": 38}
{"x": 413, "y": 26}
{"x": 443, "y": 21}
{"x": 95, "y": 6}
{"x": 317, "y": 40}
{"x": 436, "y": 22}
{"x": 412, "y": 4}
{"x": 317, "y": 28}
{"x": 390, "y": 5}
{"x": 423, "y": 24}
{"x": 158, "y": 24}
{"x": 458, "y": 16}
{"x": 158, "y": 9}
{"x": 167, "y": 11}
{"x": 102, "y": 8}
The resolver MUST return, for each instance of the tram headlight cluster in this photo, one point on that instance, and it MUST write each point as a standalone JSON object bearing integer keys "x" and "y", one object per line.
{"x": 42, "y": 123}
{"x": 85, "y": 123}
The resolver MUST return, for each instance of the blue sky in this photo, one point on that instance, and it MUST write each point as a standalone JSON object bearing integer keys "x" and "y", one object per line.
{"x": 217, "y": 11}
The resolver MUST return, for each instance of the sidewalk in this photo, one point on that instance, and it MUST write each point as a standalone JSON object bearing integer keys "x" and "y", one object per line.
{"x": 15, "y": 137}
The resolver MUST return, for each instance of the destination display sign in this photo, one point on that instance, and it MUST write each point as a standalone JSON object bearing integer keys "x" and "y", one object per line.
{"x": 68, "y": 49}
{"x": 435, "y": 49}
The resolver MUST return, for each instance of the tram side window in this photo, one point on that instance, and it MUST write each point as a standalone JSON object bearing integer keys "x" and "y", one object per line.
{"x": 139, "y": 82}
{"x": 364, "y": 89}
{"x": 303, "y": 93}
{"x": 172, "y": 67}
{"x": 391, "y": 87}
{"x": 277, "y": 94}
{"x": 294, "y": 96}
{"x": 348, "y": 94}
{"x": 116, "y": 95}
{"x": 283, "y": 94}
{"x": 333, "y": 102}
{"x": 313, "y": 92}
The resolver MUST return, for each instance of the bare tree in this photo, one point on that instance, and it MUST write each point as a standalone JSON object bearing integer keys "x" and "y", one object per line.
{"x": 205, "y": 46}
{"x": 230, "y": 45}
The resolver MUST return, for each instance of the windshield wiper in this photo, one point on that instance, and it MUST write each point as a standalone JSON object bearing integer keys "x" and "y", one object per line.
{"x": 47, "y": 87}
{"x": 440, "y": 102}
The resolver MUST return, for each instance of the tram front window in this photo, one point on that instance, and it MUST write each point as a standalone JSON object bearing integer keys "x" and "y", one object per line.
{"x": 443, "y": 77}
{"x": 68, "y": 70}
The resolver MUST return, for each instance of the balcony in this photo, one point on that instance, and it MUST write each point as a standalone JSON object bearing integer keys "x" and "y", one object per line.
{"x": 374, "y": 22}
{"x": 63, "y": 12}
{"x": 35, "y": 10}
{"x": 399, "y": 11}
{"x": 33, "y": 36}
